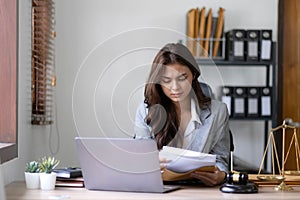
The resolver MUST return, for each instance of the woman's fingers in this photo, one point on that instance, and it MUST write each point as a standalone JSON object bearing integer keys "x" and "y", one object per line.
{"x": 209, "y": 178}
{"x": 163, "y": 162}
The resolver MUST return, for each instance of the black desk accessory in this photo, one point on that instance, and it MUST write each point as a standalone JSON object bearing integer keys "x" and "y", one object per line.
{"x": 238, "y": 183}
{"x": 68, "y": 172}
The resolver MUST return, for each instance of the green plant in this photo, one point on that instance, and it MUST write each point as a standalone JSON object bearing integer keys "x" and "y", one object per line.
{"x": 48, "y": 164}
{"x": 33, "y": 167}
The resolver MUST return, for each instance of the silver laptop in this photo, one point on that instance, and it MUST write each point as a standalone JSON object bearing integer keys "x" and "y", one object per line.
{"x": 120, "y": 164}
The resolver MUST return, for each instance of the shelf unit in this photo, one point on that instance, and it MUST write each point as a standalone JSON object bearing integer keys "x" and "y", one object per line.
{"x": 271, "y": 68}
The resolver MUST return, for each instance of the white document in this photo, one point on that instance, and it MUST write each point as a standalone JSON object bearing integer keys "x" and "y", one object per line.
{"x": 238, "y": 48}
{"x": 239, "y": 105}
{"x": 265, "y": 49}
{"x": 265, "y": 105}
{"x": 252, "y": 106}
{"x": 182, "y": 160}
{"x": 253, "y": 48}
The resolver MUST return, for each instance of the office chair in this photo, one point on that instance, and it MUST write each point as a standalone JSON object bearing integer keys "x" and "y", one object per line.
{"x": 207, "y": 91}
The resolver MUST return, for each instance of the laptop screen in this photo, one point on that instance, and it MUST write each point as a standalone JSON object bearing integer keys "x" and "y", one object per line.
{"x": 121, "y": 164}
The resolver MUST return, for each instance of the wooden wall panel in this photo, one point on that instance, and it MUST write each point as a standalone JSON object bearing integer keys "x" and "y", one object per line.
{"x": 290, "y": 52}
{"x": 8, "y": 70}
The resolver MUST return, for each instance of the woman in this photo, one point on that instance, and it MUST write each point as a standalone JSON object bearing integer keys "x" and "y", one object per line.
{"x": 176, "y": 112}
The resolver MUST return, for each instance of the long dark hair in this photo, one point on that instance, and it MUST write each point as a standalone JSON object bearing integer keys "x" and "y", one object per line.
{"x": 162, "y": 117}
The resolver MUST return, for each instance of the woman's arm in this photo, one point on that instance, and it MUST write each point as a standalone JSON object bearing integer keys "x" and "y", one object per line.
{"x": 210, "y": 178}
{"x": 220, "y": 147}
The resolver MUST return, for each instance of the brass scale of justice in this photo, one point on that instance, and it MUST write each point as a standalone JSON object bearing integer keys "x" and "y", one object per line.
{"x": 287, "y": 124}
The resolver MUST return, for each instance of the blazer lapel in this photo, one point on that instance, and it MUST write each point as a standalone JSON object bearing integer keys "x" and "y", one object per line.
{"x": 202, "y": 130}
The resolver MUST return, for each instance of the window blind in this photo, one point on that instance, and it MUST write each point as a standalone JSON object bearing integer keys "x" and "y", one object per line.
{"x": 42, "y": 61}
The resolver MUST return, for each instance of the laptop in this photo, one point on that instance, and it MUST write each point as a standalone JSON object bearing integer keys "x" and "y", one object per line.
{"x": 121, "y": 164}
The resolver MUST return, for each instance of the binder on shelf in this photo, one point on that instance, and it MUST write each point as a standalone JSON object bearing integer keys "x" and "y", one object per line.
{"x": 208, "y": 30}
{"x": 201, "y": 31}
{"x": 191, "y": 40}
{"x": 205, "y": 33}
{"x": 252, "y": 44}
{"x": 235, "y": 40}
{"x": 226, "y": 97}
{"x": 218, "y": 33}
{"x": 266, "y": 45}
{"x": 266, "y": 103}
{"x": 253, "y": 109}
{"x": 239, "y": 102}
{"x": 196, "y": 23}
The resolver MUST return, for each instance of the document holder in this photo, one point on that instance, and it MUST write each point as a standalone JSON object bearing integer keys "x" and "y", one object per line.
{"x": 239, "y": 102}
{"x": 235, "y": 40}
{"x": 227, "y": 95}
{"x": 266, "y": 103}
{"x": 252, "y": 45}
{"x": 266, "y": 45}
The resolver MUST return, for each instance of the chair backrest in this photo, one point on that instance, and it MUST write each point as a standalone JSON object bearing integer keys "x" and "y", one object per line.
{"x": 206, "y": 89}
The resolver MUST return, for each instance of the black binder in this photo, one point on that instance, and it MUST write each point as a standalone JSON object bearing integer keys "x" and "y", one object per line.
{"x": 239, "y": 101}
{"x": 252, "y": 44}
{"x": 266, "y": 101}
{"x": 253, "y": 102}
{"x": 226, "y": 97}
{"x": 68, "y": 172}
{"x": 235, "y": 48}
{"x": 266, "y": 45}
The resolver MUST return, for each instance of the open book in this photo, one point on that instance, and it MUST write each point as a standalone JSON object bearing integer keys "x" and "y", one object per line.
{"x": 182, "y": 160}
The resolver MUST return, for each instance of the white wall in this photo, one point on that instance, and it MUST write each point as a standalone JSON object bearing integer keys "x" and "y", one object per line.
{"x": 103, "y": 53}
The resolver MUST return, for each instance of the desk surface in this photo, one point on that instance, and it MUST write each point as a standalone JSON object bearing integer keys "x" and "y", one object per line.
{"x": 17, "y": 190}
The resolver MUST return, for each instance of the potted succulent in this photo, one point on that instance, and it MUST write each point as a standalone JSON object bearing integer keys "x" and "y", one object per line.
{"x": 32, "y": 176}
{"x": 47, "y": 176}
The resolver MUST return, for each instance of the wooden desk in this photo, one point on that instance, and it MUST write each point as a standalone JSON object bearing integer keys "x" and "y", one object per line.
{"x": 17, "y": 190}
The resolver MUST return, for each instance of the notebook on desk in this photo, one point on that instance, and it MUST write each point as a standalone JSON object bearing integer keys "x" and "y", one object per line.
{"x": 120, "y": 164}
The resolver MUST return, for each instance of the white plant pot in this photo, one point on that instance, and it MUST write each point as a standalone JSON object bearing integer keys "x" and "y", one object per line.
{"x": 47, "y": 181}
{"x": 32, "y": 180}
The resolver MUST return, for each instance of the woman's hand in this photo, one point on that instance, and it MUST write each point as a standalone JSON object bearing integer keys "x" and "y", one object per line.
{"x": 163, "y": 162}
{"x": 210, "y": 178}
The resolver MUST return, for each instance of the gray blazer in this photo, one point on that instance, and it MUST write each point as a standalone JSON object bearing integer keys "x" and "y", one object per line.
{"x": 209, "y": 136}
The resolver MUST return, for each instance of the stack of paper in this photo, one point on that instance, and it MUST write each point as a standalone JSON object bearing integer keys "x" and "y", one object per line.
{"x": 182, "y": 160}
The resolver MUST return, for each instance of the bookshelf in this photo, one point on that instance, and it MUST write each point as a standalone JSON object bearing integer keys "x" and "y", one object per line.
{"x": 271, "y": 73}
